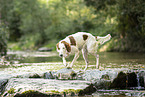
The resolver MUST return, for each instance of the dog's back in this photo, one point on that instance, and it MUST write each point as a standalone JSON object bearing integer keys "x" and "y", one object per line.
{"x": 81, "y": 38}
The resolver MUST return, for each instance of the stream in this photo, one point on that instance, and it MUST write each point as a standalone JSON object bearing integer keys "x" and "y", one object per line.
{"x": 24, "y": 62}
{"x": 107, "y": 59}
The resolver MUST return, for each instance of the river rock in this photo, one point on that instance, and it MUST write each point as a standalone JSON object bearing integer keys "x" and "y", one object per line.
{"x": 20, "y": 85}
{"x": 96, "y": 75}
{"x": 125, "y": 81}
{"x": 32, "y": 93}
{"x": 131, "y": 80}
{"x": 65, "y": 73}
{"x": 141, "y": 74}
{"x": 102, "y": 84}
{"x": 49, "y": 75}
{"x": 87, "y": 91}
{"x": 3, "y": 82}
{"x": 44, "y": 49}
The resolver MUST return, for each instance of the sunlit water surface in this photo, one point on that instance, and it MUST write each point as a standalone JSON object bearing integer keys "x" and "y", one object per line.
{"x": 106, "y": 60}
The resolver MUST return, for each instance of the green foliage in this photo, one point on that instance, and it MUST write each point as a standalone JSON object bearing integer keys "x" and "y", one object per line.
{"x": 14, "y": 46}
{"x": 33, "y": 23}
{"x": 100, "y": 4}
{"x": 129, "y": 15}
{"x": 9, "y": 15}
{"x": 131, "y": 18}
{"x": 131, "y": 24}
{"x": 3, "y": 38}
{"x": 45, "y": 21}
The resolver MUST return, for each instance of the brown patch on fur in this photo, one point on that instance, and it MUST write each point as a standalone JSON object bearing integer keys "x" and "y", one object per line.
{"x": 57, "y": 45}
{"x": 72, "y": 40}
{"x": 67, "y": 45}
{"x": 96, "y": 37}
{"x": 85, "y": 37}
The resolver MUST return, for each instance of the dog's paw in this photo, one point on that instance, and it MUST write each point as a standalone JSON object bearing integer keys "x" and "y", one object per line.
{"x": 69, "y": 67}
{"x": 85, "y": 69}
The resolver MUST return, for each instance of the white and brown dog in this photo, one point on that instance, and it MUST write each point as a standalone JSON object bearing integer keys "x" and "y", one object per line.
{"x": 81, "y": 41}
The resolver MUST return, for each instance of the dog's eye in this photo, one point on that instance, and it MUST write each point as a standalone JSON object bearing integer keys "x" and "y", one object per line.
{"x": 63, "y": 48}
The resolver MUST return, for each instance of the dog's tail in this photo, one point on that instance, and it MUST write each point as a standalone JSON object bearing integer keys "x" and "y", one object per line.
{"x": 102, "y": 40}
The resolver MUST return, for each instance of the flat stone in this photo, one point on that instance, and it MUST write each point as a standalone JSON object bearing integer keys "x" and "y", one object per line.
{"x": 20, "y": 85}
{"x": 95, "y": 75}
{"x": 65, "y": 73}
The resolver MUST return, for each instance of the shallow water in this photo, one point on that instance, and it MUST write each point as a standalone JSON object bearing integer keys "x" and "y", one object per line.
{"x": 106, "y": 59}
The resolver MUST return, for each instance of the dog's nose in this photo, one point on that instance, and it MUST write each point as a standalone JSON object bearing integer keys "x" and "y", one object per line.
{"x": 61, "y": 55}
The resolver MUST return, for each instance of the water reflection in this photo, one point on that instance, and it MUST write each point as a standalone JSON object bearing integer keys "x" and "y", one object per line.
{"x": 107, "y": 59}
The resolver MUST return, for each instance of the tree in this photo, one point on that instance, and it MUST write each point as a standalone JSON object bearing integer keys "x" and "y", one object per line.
{"x": 10, "y": 15}
{"x": 3, "y": 39}
{"x": 131, "y": 24}
{"x": 130, "y": 16}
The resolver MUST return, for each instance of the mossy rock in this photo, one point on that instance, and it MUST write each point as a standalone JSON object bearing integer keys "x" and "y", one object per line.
{"x": 53, "y": 92}
{"x": 32, "y": 93}
{"x": 87, "y": 91}
{"x": 142, "y": 78}
{"x": 105, "y": 77}
{"x": 11, "y": 91}
{"x": 72, "y": 91}
{"x": 131, "y": 80}
{"x": 119, "y": 82}
{"x": 124, "y": 81}
{"x": 102, "y": 84}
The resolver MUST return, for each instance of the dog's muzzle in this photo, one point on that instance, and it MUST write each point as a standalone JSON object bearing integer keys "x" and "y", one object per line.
{"x": 61, "y": 55}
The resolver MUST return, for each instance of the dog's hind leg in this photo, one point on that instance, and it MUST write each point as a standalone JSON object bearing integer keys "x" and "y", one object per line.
{"x": 97, "y": 60}
{"x": 85, "y": 56}
{"x": 75, "y": 58}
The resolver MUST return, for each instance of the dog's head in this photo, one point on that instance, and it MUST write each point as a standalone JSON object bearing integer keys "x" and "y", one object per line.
{"x": 63, "y": 48}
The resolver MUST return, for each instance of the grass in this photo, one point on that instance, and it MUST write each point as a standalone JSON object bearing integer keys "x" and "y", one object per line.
{"x": 14, "y": 46}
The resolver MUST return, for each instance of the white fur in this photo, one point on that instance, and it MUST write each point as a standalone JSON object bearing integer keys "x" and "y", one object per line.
{"x": 90, "y": 45}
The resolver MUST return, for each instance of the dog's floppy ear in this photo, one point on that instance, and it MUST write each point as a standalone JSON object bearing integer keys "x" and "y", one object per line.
{"x": 67, "y": 45}
{"x": 57, "y": 46}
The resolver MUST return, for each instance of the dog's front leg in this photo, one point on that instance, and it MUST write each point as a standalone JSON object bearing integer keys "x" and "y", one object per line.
{"x": 75, "y": 58}
{"x": 97, "y": 60}
{"x": 64, "y": 61}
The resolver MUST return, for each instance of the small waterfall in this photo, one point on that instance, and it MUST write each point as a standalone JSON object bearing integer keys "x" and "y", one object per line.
{"x": 138, "y": 81}
{"x": 126, "y": 81}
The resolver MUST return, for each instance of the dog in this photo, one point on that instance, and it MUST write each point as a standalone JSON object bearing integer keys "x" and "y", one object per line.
{"x": 80, "y": 41}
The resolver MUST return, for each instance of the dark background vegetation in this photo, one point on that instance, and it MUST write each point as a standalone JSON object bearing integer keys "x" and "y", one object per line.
{"x": 30, "y": 24}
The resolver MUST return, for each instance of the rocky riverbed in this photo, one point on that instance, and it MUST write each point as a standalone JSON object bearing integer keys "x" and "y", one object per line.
{"x": 69, "y": 82}
{"x": 53, "y": 79}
